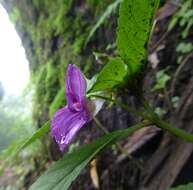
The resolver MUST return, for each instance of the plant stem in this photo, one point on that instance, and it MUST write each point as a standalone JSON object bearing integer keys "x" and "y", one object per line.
{"x": 154, "y": 118}
{"x": 149, "y": 115}
{"x": 126, "y": 107}
{"x": 174, "y": 130}
{"x": 99, "y": 125}
{"x": 119, "y": 147}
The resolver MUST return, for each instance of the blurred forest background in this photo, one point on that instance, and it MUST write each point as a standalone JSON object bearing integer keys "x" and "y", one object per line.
{"x": 83, "y": 32}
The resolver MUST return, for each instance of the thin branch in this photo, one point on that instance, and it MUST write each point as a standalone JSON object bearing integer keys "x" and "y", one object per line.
{"x": 151, "y": 116}
{"x": 126, "y": 107}
{"x": 173, "y": 84}
{"x": 118, "y": 145}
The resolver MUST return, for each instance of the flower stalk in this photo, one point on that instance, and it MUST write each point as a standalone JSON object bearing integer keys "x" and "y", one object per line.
{"x": 151, "y": 116}
{"x": 118, "y": 145}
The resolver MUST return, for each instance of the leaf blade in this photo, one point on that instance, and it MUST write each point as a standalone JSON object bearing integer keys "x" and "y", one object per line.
{"x": 110, "y": 9}
{"x": 188, "y": 186}
{"x": 134, "y": 27}
{"x": 65, "y": 171}
{"x": 112, "y": 75}
{"x": 38, "y": 134}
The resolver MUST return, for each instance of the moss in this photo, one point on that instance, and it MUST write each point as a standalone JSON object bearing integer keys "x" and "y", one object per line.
{"x": 40, "y": 90}
{"x": 98, "y": 6}
{"x": 60, "y": 21}
{"x": 37, "y": 3}
{"x": 88, "y": 66}
{"x": 15, "y": 15}
{"x": 62, "y": 72}
{"x": 58, "y": 102}
{"x": 41, "y": 84}
{"x": 52, "y": 82}
{"x": 53, "y": 34}
{"x": 78, "y": 44}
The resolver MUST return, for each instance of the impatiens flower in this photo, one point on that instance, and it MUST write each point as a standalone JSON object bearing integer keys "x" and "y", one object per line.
{"x": 78, "y": 111}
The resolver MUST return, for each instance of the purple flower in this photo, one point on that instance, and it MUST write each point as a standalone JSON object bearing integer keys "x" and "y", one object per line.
{"x": 78, "y": 112}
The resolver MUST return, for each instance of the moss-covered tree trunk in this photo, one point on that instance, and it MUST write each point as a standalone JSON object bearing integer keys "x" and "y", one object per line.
{"x": 53, "y": 34}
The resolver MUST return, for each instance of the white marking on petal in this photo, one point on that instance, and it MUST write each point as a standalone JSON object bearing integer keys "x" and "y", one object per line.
{"x": 63, "y": 140}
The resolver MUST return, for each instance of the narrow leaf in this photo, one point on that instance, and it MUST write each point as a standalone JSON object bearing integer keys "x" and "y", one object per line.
{"x": 112, "y": 75}
{"x": 110, "y": 9}
{"x": 134, "y": 27}
{"x": 38, "y": 134}
{"x": 189, "y": 186}
{"x": 64, "y": 172}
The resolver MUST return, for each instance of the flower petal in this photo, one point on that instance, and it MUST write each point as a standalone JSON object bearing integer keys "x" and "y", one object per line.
{"x": 65, "y": 125}
{"x": 75, "y": 85}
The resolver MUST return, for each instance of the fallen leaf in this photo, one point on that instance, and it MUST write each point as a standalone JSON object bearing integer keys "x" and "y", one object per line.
{"x": 138, "y": 139}
{"x": 94, "y": 174}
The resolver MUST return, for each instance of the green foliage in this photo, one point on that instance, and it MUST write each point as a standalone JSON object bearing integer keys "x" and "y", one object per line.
{"x": 98, "y": 7}
{"x": 1, "y": 91}
{"x": 135, "y": 24}
{"x": 15, "y": 119}
{"x": 184, "y": 47}
{"x": 107, "y": 13}
{"x": 65, "y": 171}
{"x": 54, "y": 38}
{"x": 60, "y": 15}
{"x": 52, "y": 82}
{"x": 161, "y": 79}
{"x": 189, "y": 186}
{"x": 78, "y": 44}
{"x": 184, "y": 17}
{"x": 41, "y": 84}
{"x": 40, "y": 92}
{"x": 15, "y": 125}
{"x": 37, "y": 3}
{"x": 175, "y": 101}
{"x": 112, "y": 75}
{"x": 17, "y": 145}
{"x": 159, "y": 111}
{"x": 58, "y": 102}
{"x": 6, "y": 121}
{"x": 14, "y": 16}
{"x": 57, "y": 40}
{"x": 37, "y": 135}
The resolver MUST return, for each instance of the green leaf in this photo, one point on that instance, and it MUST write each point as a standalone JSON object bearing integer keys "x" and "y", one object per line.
{"x": 189, "y": 186}
{"x": 183, "y": 16}
{"x": 38, "y": 134}
{"x": 184, "y": 47}
{"x": 110, "y": 9}
{"x": 135, "y": 24}
{"x": 162, "y": 79}
{"x": 112, "y": 75}
{"x": 64, "y": 172}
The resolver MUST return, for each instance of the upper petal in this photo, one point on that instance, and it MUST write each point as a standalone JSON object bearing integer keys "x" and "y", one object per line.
{"x": 65, "y": 125}
{"x": 75, "y": 85}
